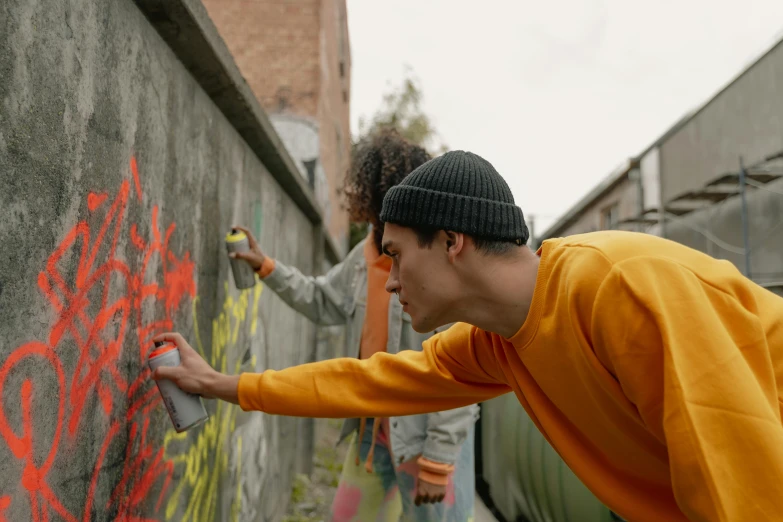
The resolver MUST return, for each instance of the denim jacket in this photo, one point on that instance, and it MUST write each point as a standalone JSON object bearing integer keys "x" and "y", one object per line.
{"x": 340, "y": 298}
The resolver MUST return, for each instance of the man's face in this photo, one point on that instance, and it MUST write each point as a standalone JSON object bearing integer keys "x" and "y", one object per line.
{"x": 422, "y": 277}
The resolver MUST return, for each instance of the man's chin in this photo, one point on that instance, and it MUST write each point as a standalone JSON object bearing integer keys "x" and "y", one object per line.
{"x": 416, "y": 324}
{"x": 424, "y": 325}
{"x": 417, "y": 328}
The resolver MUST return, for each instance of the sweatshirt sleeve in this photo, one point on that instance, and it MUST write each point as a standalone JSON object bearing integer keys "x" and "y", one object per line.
{"x": 696, "y": 364}
{"x": 322, "y": 299}
{"x": 449, "y": 372}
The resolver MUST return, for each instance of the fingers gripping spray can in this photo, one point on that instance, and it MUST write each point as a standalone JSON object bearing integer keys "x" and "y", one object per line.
{"x": 185, "y": 409}
{"x": 244, "y": 277}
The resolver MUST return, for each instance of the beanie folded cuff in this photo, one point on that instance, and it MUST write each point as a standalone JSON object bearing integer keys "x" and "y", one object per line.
{"x": 483, "y": 218}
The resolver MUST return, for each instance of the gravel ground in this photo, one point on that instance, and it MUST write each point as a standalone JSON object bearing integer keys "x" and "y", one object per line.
{"x": 312, "y": 496}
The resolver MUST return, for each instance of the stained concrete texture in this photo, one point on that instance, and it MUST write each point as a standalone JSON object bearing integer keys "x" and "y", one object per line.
{"x": 717, "y": 230}
{"x": 119, "y": 177}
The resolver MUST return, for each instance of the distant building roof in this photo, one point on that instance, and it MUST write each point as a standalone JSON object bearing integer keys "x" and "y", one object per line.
{"x": 607, "y": 184}
{"x": 621, "y": 173}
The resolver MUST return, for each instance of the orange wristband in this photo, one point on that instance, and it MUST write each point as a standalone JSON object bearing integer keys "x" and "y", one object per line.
{"x": 267, "y": 267}
{"x": 433, "y": 478}
{"x": 434, "y": 472}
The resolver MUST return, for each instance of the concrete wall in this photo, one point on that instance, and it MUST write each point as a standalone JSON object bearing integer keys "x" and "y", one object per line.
{"x": 745, "y": 119}
{"x": 723, "y": 222}
{"x": 622, "y": 190}
{"x": 124, "y": 160}
{"x": 650, "y": 177}
{"x": 625, "y": 194}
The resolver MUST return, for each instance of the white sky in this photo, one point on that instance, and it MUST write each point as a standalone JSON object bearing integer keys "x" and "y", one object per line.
{"x": 555, "y": 94}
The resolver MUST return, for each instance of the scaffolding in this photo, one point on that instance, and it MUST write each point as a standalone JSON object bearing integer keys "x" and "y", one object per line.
{"x": 715, "y": 191}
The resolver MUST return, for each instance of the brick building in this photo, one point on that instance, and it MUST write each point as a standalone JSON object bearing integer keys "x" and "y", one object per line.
{"x": 295, "y": 55}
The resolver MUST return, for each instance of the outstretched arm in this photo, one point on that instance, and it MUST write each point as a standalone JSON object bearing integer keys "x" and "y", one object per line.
{"x": 451, "y": 371}
{"x": 322, "y": 299}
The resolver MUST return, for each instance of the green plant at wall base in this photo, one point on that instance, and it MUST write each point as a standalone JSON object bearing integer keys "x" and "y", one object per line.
{"x": 301, "y": 518}
{"x": 304, "y": 511}
{"x": 326, "y": 459}
{"x": 299, "y": 488}
{"x": 311, "y": 497}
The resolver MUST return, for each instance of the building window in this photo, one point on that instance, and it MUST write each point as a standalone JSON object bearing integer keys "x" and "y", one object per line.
{"x": 610, "y": 217}
{"x": 339, "y": 139}
{"x": 309, "y": 166}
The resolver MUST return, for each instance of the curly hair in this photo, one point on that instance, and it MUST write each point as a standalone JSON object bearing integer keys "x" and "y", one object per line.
{"x": 379, "y": 161}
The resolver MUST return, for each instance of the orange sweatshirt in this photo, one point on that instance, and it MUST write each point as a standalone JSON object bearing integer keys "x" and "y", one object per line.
{"x": 655, "y": 371}
{"x": 375, "y": 331}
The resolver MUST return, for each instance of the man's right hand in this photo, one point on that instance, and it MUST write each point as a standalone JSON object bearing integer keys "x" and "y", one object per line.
{"x": 254, "y": 257}
{"x": 194, "y": 374}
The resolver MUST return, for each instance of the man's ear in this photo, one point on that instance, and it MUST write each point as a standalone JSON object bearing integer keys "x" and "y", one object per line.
{"x": 455, "y": 242}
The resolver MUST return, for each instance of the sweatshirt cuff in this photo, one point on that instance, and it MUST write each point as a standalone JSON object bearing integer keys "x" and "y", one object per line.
{"x": 267, "y": 267}
{"x": 434, "y": 472}
{"x": 249, "y": 392}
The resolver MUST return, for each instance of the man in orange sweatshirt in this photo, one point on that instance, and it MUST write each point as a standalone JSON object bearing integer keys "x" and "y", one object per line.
{"x": 654, "y": 370}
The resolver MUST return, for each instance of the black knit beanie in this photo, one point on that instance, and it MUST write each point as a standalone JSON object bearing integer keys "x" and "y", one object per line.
{"x": 458, "y": 191}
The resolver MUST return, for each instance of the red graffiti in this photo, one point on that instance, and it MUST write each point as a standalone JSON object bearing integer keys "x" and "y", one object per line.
{"x": 4, "y": 503}
{"x": 100, "y": 311}
{"x": 95, "y": 200}
{"x": 135, "y": 172}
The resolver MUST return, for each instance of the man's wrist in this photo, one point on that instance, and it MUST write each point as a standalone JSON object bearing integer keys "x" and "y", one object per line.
{"x": 267, "y": 267}
{"x": 434, "y": 472}
{"x": 223, "y": 387}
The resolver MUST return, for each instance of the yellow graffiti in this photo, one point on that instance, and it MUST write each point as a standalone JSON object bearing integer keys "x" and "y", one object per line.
{"x": 236, "y": 506}
{"x": 206, "y": 461}
{"x": 256, "y": 296}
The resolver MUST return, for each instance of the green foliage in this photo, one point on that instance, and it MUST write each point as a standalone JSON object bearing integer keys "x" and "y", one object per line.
{"x": 358, "y": 232}
{"x": 402, "y": 109}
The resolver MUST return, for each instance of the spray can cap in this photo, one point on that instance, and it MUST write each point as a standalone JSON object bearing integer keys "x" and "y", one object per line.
{"x": 161, "y": 347}
{"x": 235, "y": 236}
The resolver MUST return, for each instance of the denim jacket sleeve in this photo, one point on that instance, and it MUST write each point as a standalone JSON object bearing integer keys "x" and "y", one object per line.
{"x": 326, "y": 299}
{"x": 447, "y": 430}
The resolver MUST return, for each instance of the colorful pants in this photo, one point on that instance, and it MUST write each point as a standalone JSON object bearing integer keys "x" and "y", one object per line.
{"x": 388, "y": 493}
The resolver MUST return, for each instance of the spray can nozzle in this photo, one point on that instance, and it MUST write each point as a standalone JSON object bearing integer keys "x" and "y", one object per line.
{"x": 158, "y": 344}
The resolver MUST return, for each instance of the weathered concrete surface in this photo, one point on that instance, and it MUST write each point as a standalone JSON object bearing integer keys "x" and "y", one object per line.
{"x": 119, "y": 177}
{"x": 744, "y": 119}
{"x": 724, "y": 222}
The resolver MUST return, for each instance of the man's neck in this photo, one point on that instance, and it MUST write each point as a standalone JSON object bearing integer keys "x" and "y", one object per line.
{"x": 498, "y": 296}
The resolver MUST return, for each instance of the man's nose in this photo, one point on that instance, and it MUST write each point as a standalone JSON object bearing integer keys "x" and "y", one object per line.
{"x": 392, "y": 284}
